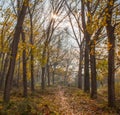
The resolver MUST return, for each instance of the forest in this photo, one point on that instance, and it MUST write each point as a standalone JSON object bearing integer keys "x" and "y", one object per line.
{"x": 59, "y": 57}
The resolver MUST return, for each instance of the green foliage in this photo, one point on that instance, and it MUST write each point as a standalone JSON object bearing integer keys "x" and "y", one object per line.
{"x": 26, "y": 107}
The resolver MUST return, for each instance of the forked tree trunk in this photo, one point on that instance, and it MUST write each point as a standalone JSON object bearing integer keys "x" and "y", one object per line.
{"x": 16, "y": 37}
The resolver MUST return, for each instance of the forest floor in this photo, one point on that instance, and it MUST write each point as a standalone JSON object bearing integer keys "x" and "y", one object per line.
{"x": 56, "y": 101}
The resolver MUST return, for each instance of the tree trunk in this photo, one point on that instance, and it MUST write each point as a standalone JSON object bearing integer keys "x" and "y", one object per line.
{"x": 86, "y": 69}
{"x": 48, "y": 75}
{"x": 86, "y": 59}
{"x": 3, "y": 72}
{"x": 53, "y": 77}
{"x": 16, "y": 37}
{"x": 80, "y": 69}
{"x": 53, "y": 74}
{"x": 93, "y": 71}
{"x": 111, "y": 75}
{"x": 32, "y": 73}
{"x": 111, "y": 55}
{"x": 24, "y": 68}
{"x": 32, "y": 56}
{"x": 43, "y": 78}
{"x": 18, "y": 73}
{"x": 47, "y": 67}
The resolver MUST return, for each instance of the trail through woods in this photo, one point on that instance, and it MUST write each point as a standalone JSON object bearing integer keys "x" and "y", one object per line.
{"x": 65, "y": 107}
{"x": 56, "y": 100}
{"x": 75, "y": 103}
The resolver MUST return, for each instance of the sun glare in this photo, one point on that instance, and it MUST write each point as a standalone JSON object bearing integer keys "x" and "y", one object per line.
{"x": 54, "y": 16}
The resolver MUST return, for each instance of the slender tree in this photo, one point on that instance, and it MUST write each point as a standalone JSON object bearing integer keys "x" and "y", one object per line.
{"x": 87, "y": 40}
{"x": 16, "y": 37}
{"x": 111, "y": 54}
{"x": 24, "y": 66}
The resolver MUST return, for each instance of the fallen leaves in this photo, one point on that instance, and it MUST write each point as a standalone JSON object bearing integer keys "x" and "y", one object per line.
{"x": 56, "y": 101}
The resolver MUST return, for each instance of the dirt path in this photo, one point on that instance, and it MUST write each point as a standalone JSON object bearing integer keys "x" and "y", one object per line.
{"x": 64, "y": 108}
{"x": 75, "y": 102}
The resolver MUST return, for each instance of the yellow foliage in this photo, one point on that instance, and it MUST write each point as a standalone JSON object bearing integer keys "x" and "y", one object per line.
{"x": 43, "y": 61}
{"x": 111, "y": 2}
{"x": 26, "y": 2}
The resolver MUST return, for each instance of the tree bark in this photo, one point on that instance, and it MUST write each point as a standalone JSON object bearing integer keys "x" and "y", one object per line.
{"x": 48, "y": 74}
{"x": 48, "y": 67}
{"x": 16, "y": 37}
{"x": 86, "y": 59}
{"x": 32, "y": 56}
{"x": 43, "y": 67}
{"x": 80, "y": 68}
{"x": 111, "y": 55}
{"x": 93, "y": 71}
{"x": 43, "y": 78}
{"x": 53, "y": 76}
{"x": 24, "y": 68}
{"x": 3, "y": 72}
{"x": 18, "y": 73}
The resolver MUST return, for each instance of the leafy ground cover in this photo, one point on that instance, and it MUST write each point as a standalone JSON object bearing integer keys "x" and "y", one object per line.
{"x": 56, "y": 101}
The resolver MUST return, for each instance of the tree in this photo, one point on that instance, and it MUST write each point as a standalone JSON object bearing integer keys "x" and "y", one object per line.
{"x": 111, "y": 53}
{"x": 24, "y": 66}
{"x": 87, "y": 48}
{"x": 16, "y": 37}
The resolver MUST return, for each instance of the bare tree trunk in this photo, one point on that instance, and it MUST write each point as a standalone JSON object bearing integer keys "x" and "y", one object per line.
{"x": 48, "y": 71}
{"x": 86, "y": 59}
{"x": 43, "y": 78}
{"x": 111, "y": 55}
{"x": 66, "y": 73}
{"x": 43, "y": 68}
{"x": 3, "y": 72}
{"x": 111, "y": 75}
{"x": 16, "y": 37}
{"x": 93, "y": 71}
{"x": 53, "y": 76}
{"x": 86, "y": 70}
{"x": 24, "y": 68}
{"x": 18, "y": 74}
{"x": 48, "y": 75}
{"x": 80, "y": 69}
{"x": 32, "y": 74}
{"x": 32, "y": 56}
